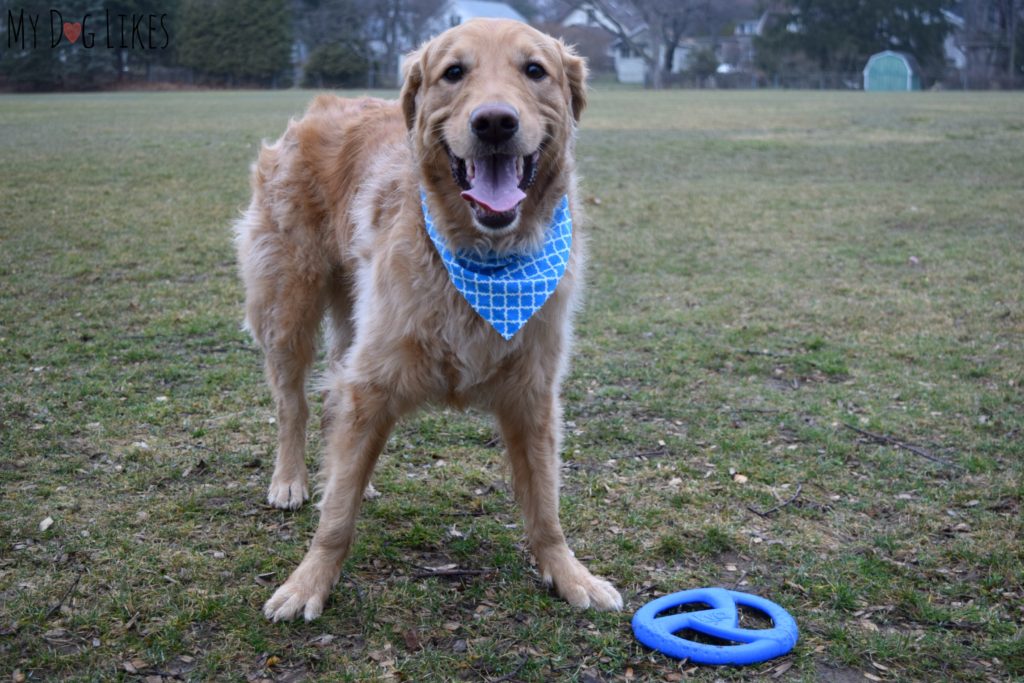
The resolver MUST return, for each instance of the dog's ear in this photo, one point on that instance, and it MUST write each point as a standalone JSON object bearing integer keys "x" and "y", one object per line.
{"x": 412, "y": 81}
{"x": 575, "y": 68}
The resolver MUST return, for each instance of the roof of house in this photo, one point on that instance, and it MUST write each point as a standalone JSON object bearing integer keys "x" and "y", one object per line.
{"x": 624, "y": 13}
{"x": 484, "y": 8}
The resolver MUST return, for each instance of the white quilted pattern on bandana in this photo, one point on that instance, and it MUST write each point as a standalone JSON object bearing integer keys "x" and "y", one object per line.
{"x": 507, "y": 290}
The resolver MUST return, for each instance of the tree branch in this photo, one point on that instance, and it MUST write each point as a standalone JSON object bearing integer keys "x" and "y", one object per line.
{"x": 789, "y": 501}
{"x": 916, "y": 450}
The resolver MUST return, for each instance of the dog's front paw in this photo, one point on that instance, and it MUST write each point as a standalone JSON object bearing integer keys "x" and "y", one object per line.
{"x": 288, "y": 493}
{"x": 577, "y": 586}
{"x": 305, "y": 593}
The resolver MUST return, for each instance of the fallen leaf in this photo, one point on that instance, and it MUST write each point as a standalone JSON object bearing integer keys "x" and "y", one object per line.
{"x": 179, "y": 665}
{"x": 868, "y": 625}
{"x": 781, "y": 669}
{"x": 321, "y": 640}
{"x": 134, "y": 665}
{"x": 412, "y": 640}
{"x": 265, "y": 579}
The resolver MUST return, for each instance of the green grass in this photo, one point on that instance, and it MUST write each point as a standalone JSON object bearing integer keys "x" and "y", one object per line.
{"x": 765, "y": 267}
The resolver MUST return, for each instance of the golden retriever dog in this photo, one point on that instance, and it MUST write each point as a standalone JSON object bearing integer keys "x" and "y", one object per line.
{"x": 481, "y": 140}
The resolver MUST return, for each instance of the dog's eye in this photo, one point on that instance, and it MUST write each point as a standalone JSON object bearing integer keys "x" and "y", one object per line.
{"x": 535, "y": 71}
{"x": 454, "y": 73}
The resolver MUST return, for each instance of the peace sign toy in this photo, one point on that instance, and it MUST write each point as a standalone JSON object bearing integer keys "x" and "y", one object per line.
{"x": 721, "y": 621}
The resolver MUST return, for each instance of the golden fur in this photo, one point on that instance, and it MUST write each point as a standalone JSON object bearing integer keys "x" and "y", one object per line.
{"x": 335, "y": 231}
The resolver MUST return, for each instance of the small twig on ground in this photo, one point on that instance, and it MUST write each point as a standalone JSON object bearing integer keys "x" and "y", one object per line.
{"x": 656, "y": 453}
{"x": 916, "y": 450}
{"x": 67, "y": 594}
{"x": 767, "y": 513}
{"x": 511, "y": 676}
{"x": 738, "y": 581}
{"x": 763, "y": 352}
{"x": 463, "y": 513}
{"x": 426, "y": 573}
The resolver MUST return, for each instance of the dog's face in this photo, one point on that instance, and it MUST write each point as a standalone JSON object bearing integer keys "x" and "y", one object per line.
{"x": 492, "y": 107}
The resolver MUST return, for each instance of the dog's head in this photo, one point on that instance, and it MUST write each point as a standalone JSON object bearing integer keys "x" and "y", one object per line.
{"x": 492, "y": 107}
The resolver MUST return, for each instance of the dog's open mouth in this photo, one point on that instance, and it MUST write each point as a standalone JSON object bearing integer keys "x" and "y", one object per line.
{"x": 494, "y": 184}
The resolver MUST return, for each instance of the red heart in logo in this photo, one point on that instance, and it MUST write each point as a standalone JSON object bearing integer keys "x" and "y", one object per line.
{"x": 72, "y": 31}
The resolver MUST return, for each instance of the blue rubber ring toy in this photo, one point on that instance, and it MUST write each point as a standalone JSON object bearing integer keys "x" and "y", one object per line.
{"x": 721, "y": 621}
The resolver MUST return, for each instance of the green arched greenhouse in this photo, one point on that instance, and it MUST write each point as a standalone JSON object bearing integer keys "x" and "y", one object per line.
{"x": 892, "y": 71}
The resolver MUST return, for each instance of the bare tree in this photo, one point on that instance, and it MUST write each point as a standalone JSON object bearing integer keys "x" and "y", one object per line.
{"x": 1008, "y": 12}
{"x": 990, "y": 39}
{"x": 397, "y": 26}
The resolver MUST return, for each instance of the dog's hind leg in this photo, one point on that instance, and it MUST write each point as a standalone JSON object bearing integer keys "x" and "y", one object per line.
{"x": 340, "y": 332}
{"x": 285, "y": 293}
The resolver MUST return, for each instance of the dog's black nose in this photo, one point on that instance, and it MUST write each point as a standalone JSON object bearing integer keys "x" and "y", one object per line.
{"x": 494, "y": 123}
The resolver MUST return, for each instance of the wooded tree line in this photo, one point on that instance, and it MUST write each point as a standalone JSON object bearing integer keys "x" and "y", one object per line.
{"x": 228, "y": 43}
{"x": 835, "y": 37}
{"x": 838, "y": 36}
{"x": 358, "y": 43}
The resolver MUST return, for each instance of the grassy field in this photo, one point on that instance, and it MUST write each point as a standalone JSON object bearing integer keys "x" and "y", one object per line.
{"x": 769, "y": 271}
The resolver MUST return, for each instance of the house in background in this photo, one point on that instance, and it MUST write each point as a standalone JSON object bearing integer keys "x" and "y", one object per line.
{"x": 461, "y": 11}
{"x": 626, "y": 60}
{"x": 734, "y": 53}
{"x": 458, "y": 12}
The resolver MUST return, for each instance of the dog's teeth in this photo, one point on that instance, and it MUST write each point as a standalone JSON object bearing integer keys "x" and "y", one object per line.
{"x": 470, "y": 169}
{"x": 519, "y": 168}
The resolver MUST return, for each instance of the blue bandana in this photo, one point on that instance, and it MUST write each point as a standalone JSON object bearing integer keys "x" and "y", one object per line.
{"x": 506, "y": 290}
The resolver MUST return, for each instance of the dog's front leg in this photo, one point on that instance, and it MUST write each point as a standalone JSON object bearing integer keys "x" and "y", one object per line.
{"x": 531, "y": 429}
{"x": 358, "y": 432}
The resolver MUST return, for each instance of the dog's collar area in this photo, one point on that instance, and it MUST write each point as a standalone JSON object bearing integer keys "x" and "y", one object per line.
{"x": 506, "y": 290}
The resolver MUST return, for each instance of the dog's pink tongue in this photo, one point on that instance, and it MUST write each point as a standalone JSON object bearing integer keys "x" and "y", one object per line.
{"x": 496, "y": 185}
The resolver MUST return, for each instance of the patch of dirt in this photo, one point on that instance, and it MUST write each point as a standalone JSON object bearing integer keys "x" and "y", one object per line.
{"x": 826, "y": 673}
